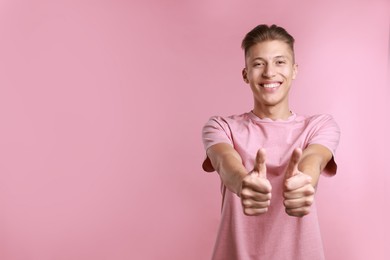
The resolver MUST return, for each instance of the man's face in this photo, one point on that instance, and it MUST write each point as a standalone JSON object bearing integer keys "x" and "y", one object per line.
{"x": 269, "y": 71}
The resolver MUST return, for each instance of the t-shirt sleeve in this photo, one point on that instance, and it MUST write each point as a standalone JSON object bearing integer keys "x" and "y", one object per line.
{"x": 326, "y": 133}
{"x": 215, "y": 131}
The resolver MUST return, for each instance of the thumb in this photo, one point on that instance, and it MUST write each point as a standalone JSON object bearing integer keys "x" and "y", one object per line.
{"x": 260, "y": 166}
{"x": 292, "y": 167}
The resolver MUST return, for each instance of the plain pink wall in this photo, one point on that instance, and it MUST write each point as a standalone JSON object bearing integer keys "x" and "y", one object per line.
{"x": 102, "y": 104}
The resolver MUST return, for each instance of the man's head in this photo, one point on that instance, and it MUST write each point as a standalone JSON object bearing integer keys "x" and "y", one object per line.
{"x": 269, "y": 67}
{"x": 263, "y": 32}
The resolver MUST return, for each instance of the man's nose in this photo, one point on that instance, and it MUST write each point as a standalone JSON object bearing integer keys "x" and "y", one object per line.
{"x": 268, "y": 71}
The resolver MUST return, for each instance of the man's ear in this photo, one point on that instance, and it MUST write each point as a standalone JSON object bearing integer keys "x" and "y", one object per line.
{"x": 295, "y": 71}
{"x": 245, "y": 75}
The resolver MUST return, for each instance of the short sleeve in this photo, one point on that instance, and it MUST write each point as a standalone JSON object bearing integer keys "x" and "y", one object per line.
{"x": 215, "y": 131}
{"x": 327, "y": 133}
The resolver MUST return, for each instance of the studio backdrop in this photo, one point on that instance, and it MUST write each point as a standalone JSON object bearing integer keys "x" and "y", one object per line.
{"x": 102, "y": 105}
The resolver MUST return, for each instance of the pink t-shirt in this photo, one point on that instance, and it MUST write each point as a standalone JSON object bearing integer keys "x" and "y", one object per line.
{"x": 273, "y": 235}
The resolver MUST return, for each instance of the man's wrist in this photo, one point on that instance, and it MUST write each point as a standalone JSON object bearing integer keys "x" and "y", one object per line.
{"x": 240, "y": 179}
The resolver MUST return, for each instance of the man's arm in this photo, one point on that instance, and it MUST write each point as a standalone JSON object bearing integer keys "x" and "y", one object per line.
{"x": 253, "y": 188}
{"x": 228, "y": 163}
{"x": 302, "y": 177}
{"x": 314, "y": 160}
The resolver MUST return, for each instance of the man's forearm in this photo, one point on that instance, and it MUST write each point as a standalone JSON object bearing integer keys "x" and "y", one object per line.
{"x": 313, "y": 162}
{"x": 227, "y": 162}
{"x": 310, "y": 166}
{"x": 232, "y": 172}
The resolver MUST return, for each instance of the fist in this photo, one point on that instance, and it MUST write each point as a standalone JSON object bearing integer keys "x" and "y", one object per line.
{"x": 298, "y": 192}
{"x": 256, "y": 189}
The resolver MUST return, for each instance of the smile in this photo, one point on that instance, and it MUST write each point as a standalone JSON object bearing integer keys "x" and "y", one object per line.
{"x": 270, "y": 85}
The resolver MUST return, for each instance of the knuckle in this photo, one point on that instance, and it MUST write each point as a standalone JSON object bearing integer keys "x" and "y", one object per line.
{"x": 308, "y": 201}
{"x": 261, "y": 211}
{"x": 245, "y": 193}
{"x": 265, "y": 204}
{"x": 255, "y": 212}
{"x": 244, "y": 183}
{"x": 310, "y": 190}
{"x": 247, "y": 212}
{"x": 265, "y": 189}
{"x": 247, "y": 180}
{"x": 298, "y": 212}
{"x": 246, "y": 203}
{"x": 305, "y": 211}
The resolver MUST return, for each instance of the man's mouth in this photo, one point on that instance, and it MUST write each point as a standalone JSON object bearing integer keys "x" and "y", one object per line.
{"x": 271, "y": 85}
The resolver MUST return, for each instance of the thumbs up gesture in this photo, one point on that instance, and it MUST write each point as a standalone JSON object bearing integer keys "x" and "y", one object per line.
{"x": 256, "y": 189}
{"x": 298, "y": 192}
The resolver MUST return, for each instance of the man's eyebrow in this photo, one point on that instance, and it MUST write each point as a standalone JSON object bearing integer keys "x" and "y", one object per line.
{"x": 258, "y": 58}
{"x": 280, "y": 57}
{"x": 276, "y": 57}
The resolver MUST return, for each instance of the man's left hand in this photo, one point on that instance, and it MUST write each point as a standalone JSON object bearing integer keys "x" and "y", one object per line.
{"x": 298, "y": 191}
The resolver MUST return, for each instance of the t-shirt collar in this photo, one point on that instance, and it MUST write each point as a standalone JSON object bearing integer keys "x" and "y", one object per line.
{"x": 266, "y": 119}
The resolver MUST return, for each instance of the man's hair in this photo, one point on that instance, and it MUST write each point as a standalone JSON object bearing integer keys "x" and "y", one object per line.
{"x": 263, "y": 32}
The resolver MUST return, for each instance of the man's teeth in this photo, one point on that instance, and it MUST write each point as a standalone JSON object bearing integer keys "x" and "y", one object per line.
{"x": 271, "y": 85}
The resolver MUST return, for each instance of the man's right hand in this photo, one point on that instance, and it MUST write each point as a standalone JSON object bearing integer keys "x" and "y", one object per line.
{"x": 256, "y": 189}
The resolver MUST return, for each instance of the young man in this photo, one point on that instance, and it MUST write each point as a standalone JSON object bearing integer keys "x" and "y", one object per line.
{"x": 269, "y": 160}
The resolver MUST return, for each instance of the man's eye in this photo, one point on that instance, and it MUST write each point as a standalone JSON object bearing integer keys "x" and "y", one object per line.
{"x": 280, "y": 62}
{"x": 258, "y": 64}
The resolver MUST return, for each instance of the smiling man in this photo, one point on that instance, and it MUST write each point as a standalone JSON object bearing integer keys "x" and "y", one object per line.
{"x": 269, "y": 160}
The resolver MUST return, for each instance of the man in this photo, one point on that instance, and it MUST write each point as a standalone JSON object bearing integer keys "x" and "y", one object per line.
{"x": 269, "y": 160}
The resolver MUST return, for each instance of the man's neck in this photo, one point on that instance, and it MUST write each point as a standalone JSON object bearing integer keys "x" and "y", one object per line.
{"x": 273, "y": 113}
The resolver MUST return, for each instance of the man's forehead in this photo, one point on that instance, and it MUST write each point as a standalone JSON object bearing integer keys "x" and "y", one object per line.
{"x": 269, "y": 51}
{"x": 270, "y": 57}
{"x": 270, "y": 48}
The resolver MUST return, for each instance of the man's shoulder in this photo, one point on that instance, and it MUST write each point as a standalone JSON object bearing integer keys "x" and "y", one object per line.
{"x": 315, "y": 118}
{"x": 319, "y": 121}
{"x": 235, "y": 118}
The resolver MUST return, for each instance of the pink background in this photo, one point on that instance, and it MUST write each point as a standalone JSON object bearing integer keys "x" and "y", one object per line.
{"x": 101, "y": 109}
